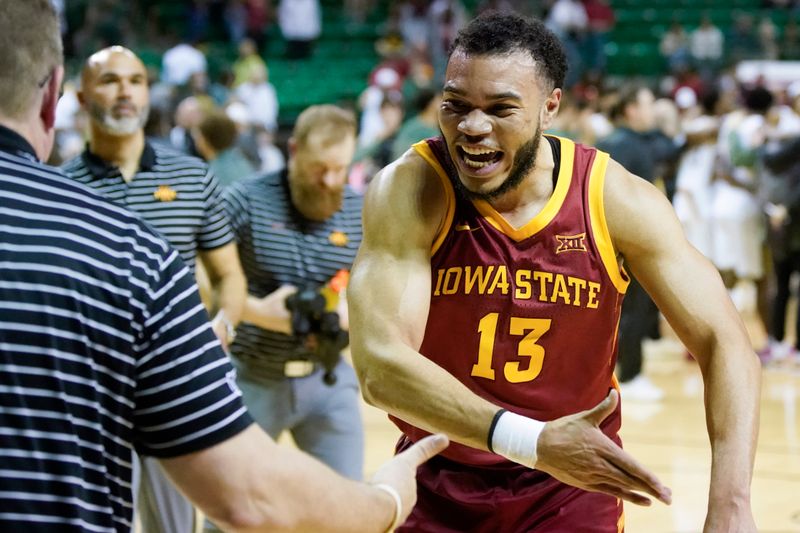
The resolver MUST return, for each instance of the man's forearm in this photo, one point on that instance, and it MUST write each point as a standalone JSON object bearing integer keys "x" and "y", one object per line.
{"x": 231, "y": 291}
{"x": 733, "y": 386}
{"x": 263, "y": 314}
{"x": 249, "y": 483}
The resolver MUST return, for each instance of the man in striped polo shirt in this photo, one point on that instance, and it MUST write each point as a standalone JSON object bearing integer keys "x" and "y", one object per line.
{"x": 105, "y": 347}
{"x": 177, "y": 195}
{"x": 298, "y": 229}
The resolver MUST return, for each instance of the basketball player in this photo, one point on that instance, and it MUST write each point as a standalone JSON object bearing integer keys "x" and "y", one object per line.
{"x": 486, "y": 296}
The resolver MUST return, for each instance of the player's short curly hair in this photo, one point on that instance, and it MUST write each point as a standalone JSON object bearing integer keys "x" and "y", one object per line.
{"x": 495, "y": 33}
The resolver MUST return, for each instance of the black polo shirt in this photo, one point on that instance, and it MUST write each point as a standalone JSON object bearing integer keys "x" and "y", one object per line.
{"x": 277, "y": 246}
{"x": 104, "y": 348}
{"x": 177, "y": 194}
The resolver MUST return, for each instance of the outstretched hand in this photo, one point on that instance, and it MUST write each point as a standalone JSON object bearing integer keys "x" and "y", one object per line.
{"x": 575, "y": 451}
{"x": 401, "y": 471}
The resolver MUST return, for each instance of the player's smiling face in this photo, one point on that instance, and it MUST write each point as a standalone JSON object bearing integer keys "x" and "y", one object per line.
{"x": 493, "y": 110}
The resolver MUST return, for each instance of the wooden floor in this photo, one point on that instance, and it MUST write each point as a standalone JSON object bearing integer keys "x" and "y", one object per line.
{"x": 670, "y": 438}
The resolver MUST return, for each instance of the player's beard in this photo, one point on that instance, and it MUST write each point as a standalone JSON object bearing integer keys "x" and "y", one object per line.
{"x": 524, "y": 161}
{"x": 119, "y": 126}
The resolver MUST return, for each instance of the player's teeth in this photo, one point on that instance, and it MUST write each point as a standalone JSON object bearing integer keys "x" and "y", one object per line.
{"x": 477, "y": 151}
{"x": 476, "y": 164}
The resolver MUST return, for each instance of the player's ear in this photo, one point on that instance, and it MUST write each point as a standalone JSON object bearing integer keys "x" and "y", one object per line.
{"x": 550, "y": 108}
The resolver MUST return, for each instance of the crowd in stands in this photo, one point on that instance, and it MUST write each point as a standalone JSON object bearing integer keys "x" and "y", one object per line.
{"x": 725, "y": 165}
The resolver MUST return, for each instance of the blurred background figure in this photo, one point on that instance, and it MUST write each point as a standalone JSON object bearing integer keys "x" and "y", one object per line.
{"x": 694, "y": 181}
{"x": 423, "y": 123}
{"x": 259, "y": 97}
{"x": 630, "y": 145}
{"x": 215, "y": 139}
{"x": 301, "y": 24}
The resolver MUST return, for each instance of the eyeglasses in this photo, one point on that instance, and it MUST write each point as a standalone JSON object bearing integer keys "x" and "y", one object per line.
{"x": 47, "y": 78}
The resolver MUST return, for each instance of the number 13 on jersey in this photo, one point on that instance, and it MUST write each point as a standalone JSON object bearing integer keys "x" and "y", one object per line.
{"x": 530, "y": 329}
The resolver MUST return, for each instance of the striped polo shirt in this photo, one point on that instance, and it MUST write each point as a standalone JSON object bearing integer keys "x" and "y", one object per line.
{"x": 104, "y": 348}
{"x": 177, "y": 194}
{"x": 277, "y": 246}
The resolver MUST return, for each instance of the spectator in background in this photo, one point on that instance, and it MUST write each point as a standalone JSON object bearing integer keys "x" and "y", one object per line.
{"x": 385, "y": 82}
{"x": 260, "y": 98}
{"x": 356, "y": 11}
{"x": 446, "y": 18}
{"x": 197, "y": 20}
{"x": 197, "y": 86}
{"x": 301, "y": 24}
{"x": 666, "y": 145}
{"x": 768, "y": 38}
{"x": 377, "y": 154}
{"x": 180, "y": 62}
{"x": 737, "y": 213}
{"x": 707, "y": 49}
{"x": 423, "y": 123}
{"x": 235, "y": 16}
{"x": 215, "y": 139}
{"x": 246, "y": 139}
{"x": 188, "y": 115}
{"x": 674, "y": 47}
{"x": 600, "y": 22}
{"x": 790, "y": 40}
{"x": 742, "y": 42}
{"x": 779, "y": 157}
{"x": 628, "y": 144}
{"x": 271, "y": 158}
{"x": 248, "y": 63}
{"x": 413, "y": 25}
{"x": 568, "y": 20}
{"x": 694, "y": 190}
{"x": 260, "y": 16}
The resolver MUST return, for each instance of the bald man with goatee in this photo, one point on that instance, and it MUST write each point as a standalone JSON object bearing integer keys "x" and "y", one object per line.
{"x": 176, "y": 194}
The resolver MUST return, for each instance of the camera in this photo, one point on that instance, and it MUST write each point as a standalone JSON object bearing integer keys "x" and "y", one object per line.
{"x": 318, "y": 329}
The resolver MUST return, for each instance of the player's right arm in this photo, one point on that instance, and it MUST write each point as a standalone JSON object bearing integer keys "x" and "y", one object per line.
{"x": 389, "y": 298}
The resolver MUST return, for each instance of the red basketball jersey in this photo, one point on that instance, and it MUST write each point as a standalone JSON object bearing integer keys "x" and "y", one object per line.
{"x": 526, "y": 317}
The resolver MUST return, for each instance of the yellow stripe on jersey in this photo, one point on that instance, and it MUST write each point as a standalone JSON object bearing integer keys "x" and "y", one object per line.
{"x": 551, "y": 208}
{"x": 424, "y": 150}
{"x": 597, "y": 214}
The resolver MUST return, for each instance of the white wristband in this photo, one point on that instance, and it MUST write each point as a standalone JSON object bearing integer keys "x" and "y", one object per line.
{"x": 398, "y": 509}
{"x": 515, "y": 437}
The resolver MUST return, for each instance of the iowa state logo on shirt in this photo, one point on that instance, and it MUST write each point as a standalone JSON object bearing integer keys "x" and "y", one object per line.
{"x": 571, "y": 243}
{"x": 165, "y": 194}
{"x": 338, "y": 238}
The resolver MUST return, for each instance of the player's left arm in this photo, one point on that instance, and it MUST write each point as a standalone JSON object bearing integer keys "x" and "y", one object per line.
{"x": 228, "y": 284}
{"x": 689, "y": 292}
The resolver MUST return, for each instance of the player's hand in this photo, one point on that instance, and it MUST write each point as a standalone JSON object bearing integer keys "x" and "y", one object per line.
{"x": 401, "y": 471}
{"x": 575, "y": 451}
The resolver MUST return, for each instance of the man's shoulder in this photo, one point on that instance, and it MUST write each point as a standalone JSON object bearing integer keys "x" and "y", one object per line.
{"x": 76, "y": 165}
{"x": 273, "y": 182}
{"x": 265, "y": 190}
{"x": 168, "y": 157}
{"x": 49, "y": 193}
